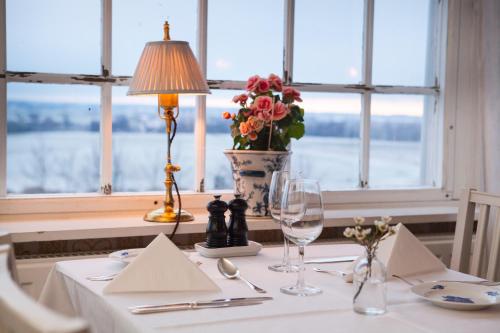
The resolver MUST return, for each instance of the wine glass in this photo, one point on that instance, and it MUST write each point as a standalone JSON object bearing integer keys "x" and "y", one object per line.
{"x": 302, "y": 223}
{"x": 278, "y": 182}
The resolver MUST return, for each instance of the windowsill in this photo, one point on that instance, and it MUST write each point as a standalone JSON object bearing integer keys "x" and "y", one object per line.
{"x": 50, "y": 227}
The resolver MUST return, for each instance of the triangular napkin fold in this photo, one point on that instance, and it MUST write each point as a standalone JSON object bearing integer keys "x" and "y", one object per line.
{"x": 161, "y": 267}
{"x": 403, "y": 254}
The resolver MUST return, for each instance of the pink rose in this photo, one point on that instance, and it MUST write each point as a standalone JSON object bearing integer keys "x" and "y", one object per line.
{"x": 240, "y": 98}
{"x": 252, "y": 82}
{"x": 291, "y": 94}
{"x": 280, "y": 111}
{"x": 262, "y": 86}
{"x": 276, "y": 82}
{"x": 263, "y": 115}
{"x": 263, "y": 103}
{"x": 244, "y": 129}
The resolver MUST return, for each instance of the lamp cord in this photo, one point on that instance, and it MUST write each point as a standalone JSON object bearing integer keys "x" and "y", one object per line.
{"x": 179, "y": 205}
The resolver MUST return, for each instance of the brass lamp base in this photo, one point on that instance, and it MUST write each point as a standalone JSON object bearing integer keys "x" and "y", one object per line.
{"x": 159, "y": 215}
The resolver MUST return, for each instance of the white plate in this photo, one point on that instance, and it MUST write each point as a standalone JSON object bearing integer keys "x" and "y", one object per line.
{"x": 458, "y": 296}
{"x": 125, "y": 255}
{"x": 234, "y": 251}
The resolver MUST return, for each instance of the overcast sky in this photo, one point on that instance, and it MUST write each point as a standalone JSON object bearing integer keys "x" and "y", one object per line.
{"x": 244, "y": 38}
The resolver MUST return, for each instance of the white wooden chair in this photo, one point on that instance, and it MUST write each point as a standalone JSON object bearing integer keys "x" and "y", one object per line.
{"x": 5, "y": 239}
{"x": 462, "y": 243}
{"x": 21, "y": 314}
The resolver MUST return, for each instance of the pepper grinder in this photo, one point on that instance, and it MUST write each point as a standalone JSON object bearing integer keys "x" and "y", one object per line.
{"x": 238, "y": 228}
{"x": 216, "y": 228}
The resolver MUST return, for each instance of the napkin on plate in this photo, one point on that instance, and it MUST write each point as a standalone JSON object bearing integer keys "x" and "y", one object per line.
{"x": 161, "y": 267}
{"x": 403, "y": 254}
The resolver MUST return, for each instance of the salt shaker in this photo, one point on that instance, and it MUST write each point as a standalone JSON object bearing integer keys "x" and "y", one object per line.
{"x": 216, "y": 227}
{"x": 238, "y": 228}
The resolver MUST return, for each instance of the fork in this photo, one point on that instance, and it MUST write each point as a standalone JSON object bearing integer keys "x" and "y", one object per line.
{"x": 330, "y": 271}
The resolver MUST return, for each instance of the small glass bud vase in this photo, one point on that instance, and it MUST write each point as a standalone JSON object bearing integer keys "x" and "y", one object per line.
{"x": 369, "y": 285}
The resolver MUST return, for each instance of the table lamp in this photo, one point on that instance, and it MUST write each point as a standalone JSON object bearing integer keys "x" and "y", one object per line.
{"x": 168, "y": 68}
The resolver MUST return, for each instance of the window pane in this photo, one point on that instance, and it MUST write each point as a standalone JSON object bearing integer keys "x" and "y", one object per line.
{"x": 137, "y": 22}
{"x": 57, "y": 36}
{"x": 218, "y": 172}
{"x": 329, "y": 151}
{"x": 140, "y": 143}
{"x": 52, "y": 138}
{"x": 401, "y": 42}
{"x": 242, "y": 43}
{"x": 396, "y": 127}
{"x": 328, "y": 41}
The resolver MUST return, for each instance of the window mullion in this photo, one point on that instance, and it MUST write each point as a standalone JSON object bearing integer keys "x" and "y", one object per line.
{"x": 364, "y": 158}
{"x": 201, "y": 101}
{"x": 289, "y": 23}
{"x": 3, "y": 102}
{"x": 106, "y": 102}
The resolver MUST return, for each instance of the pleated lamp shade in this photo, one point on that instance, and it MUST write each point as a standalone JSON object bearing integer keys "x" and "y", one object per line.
{"x": 168, "y": 67}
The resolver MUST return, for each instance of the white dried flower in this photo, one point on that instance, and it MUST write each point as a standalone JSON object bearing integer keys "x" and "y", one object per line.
{"x": 392, "y": 230}
{"x": 349, "y": 232}
{"x": 382, "y": 226}
{"x": 366, "y": 232}
{"x": 359, "y": 220}
{"x": 386, "y": 219}
{"x": 359, "y": 234}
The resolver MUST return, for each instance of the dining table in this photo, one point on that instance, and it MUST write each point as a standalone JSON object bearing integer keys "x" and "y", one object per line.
{"x": 67, "y": 290}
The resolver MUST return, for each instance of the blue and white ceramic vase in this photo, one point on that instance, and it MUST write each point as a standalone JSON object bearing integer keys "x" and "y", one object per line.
{"x": 252, "y": 172}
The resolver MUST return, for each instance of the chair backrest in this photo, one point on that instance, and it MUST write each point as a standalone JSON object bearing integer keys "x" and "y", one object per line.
{"x": 11, "y": 260}
{"x": 20, "y": 313}
{"x": 462, "y": 243}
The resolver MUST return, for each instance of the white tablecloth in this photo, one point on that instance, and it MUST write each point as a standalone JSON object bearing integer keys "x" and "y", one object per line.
{"x": 69, "y": 292}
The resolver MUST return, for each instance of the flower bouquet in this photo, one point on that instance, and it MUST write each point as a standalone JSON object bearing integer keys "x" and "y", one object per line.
{"x": 268, "y": 118}
{"x": 369, "y": 272}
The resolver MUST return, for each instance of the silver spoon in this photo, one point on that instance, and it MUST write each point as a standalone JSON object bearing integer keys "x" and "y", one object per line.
{"x": 330, "y": 271}
{"x": 230, "y": 271}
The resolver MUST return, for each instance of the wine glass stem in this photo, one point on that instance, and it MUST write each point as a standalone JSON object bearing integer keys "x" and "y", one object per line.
{"x": 286, "y": 252}
{"x": 300, "y": 281}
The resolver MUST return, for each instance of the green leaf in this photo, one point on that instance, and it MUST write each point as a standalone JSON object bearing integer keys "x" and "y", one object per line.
{"x": 285, "y": 122}
{"x": 296, "y": 130}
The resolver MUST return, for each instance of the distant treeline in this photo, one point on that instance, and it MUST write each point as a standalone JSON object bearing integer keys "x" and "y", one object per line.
{"x": 31, "y": 117}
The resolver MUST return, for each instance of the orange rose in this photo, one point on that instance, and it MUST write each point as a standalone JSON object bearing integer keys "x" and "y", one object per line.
{"x": 255, "y": 124}
{"x": 244, "y": 129}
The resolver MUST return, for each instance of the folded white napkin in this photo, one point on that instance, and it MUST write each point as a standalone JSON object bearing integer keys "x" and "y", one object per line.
{"x": 403, "y": 254}
{"x": 160, "y": 267}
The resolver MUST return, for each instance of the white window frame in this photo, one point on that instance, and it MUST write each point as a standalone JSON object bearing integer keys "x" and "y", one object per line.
{"x": 107, "y": 200}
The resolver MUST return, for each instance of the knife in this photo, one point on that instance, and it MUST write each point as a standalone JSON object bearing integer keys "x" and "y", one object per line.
{"x": 223, "y": 302}
{"x": 194, "y": 305}
{"x": 331, "y": 260}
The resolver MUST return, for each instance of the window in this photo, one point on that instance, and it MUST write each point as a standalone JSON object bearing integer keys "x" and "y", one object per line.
{"x": 367, "y": 71}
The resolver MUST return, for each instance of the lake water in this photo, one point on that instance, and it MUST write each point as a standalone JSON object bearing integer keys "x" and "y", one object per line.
{"x": 66, "y": 162}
